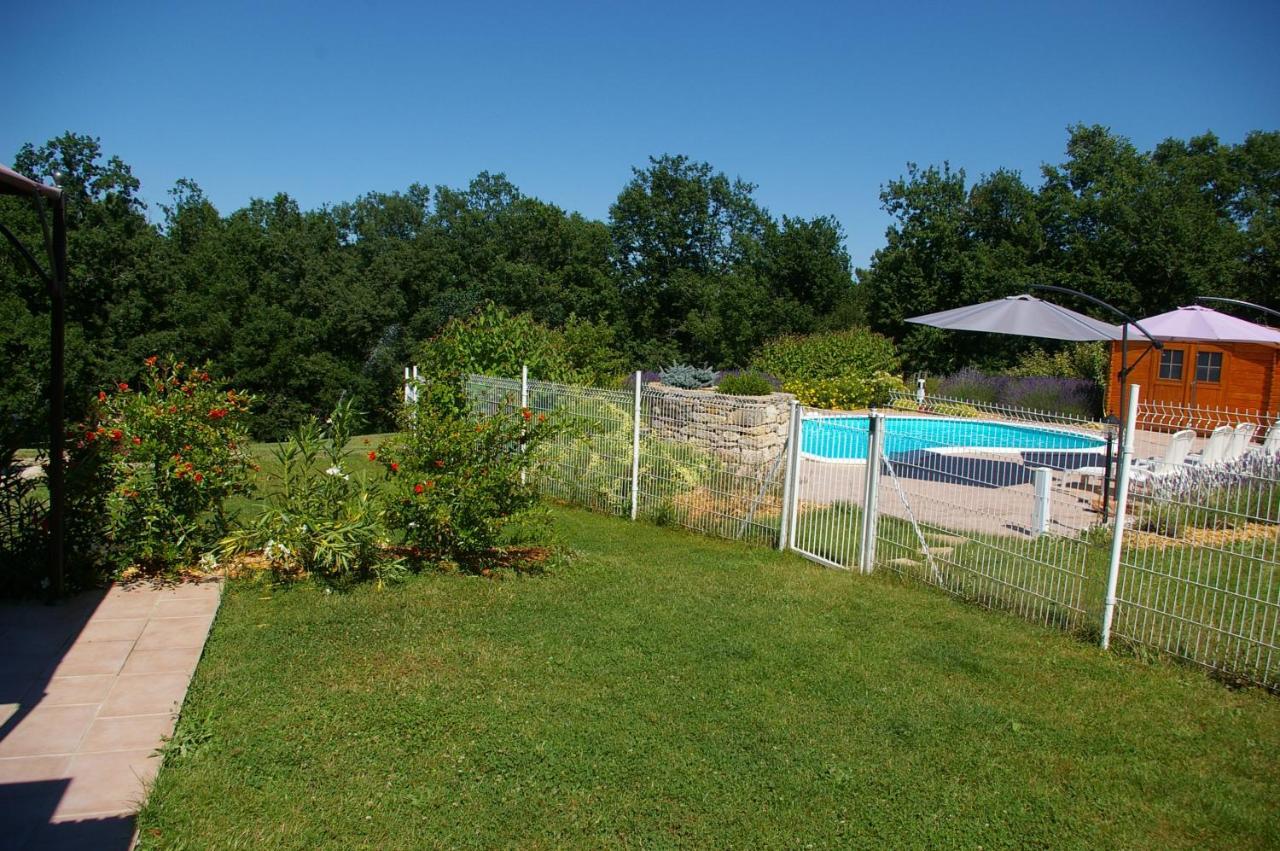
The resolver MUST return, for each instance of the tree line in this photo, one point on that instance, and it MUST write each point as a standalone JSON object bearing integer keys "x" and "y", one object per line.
{"x": 305, "y": 307}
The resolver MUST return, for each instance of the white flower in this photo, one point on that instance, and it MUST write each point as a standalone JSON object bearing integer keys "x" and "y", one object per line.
{"x": 337, "y": 471}
{"x": 274, "y": 550}
{"x": 208, "y": 562}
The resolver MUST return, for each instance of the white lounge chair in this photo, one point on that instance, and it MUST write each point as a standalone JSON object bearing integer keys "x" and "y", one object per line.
{"x": 1172, "y": 462}
{"x": 1215, "y": 450}
{"x": 1240, "y": 441}
{"x": 1271, "y": 443}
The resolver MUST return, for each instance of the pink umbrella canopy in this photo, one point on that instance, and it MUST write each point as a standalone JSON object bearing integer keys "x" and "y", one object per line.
{"x": 1203, "y": 323}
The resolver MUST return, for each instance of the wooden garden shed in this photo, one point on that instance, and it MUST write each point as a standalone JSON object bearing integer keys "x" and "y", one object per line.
{"x": 1209, "y": 360}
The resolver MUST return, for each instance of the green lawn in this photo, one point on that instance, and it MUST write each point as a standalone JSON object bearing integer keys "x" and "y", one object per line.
{"x": 670, "y": 690}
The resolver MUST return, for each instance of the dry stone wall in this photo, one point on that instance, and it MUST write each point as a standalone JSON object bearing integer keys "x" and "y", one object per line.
{"x": 749, "y": 430}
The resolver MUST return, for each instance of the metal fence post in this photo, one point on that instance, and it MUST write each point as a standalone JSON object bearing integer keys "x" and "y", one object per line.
{"x": 1122, "y": 500}
{"x": 789, "y": 477}
{"x": 793, "y": 515}
{"x": 635, "y": 448}
{"x": 524, "y": 403}
{"x": 871, "y": 495}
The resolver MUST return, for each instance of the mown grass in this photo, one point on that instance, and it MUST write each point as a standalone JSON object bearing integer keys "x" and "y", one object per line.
{"x": 669, "y": 690}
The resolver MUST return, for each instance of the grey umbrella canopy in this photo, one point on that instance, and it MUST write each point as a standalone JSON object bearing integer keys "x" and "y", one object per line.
{"x": 1023, "y": 315}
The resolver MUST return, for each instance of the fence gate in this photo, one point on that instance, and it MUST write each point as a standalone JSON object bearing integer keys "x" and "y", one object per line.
{"x": 830, "y": 484}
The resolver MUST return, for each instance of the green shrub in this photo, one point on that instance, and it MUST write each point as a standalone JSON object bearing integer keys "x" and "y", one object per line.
{"x": 745, "y": 384}
{"x": 846, "y": 393}
{"x": 454, "y": 484}
{"x": 492, "y": 341}
{"x": 902, "y": 403}
{"x": 833, "y": 354}
{"x": 23, "y": 561}
{"x": 687, "y": 377}
{"x": 1089, "y": 361}
{"x": 172, "y": 450}
{"x": 317, "y": 519}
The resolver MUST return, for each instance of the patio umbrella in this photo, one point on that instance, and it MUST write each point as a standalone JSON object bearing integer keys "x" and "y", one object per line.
{"x": 1203, "y": 323}
{"x": 1022, "y": 315}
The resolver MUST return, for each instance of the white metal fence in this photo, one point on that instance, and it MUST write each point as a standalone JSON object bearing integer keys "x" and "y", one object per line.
{"x": 1012, "y": 509}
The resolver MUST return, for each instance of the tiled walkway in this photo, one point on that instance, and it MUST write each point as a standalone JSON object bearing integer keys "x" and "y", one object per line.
{"x": 88, "y": 688}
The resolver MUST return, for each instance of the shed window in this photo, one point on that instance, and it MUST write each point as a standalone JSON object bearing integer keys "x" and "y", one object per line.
{"x": 1209, "y": 367}
{"x": 1171, "y": 364}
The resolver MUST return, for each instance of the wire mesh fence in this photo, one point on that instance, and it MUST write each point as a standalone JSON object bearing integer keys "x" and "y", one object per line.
{"x": 1002, "y": 506}
{"x": 990, "y": 510}
{"x": 711, "y": 463}
{"x": 1198, "y": 576}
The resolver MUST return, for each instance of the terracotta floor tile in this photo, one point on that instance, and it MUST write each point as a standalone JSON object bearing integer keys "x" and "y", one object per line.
{"x": 145, "y": 694}
{"x": 82, "y": 833}
{"x": 94, "y": 657}
{"x": 112, "y": 629}
{"x": 128, "y": 604}
{"x": 27, "y": 769}
{"x": 169, "y": 660}
{"x": 63, "y": 691}
{"x": 49, "y": 730}
{"x": 175, "y": 632}
{"x": 108, "y": 782}
{"x": 126, "y": 733}
{"x": 182, "y": 607}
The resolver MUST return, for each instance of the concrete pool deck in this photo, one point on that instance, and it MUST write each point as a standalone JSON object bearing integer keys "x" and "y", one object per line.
{"x": 89, "y": 689}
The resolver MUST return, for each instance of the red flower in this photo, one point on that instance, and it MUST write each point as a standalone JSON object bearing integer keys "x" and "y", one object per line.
{"x": 123, "y": 387}
{"x": 418, "y": 488}
{"x": 173, "y": 409}
{"x": 90, "y": 436}
{"x": 137, "y": 441}
{"x": 204, "y": 376}
{"x": 198, "y": 477}
{"x": 116, "y": 434}
{"x": 526, "y": 413}
{"x": 439, "y": 463}
{"x": 373, "y": 456}
{"x": 217, "y": 413}
{"x": 151, "y": 361}
{"x": 395, "y": 468}
{"x": 542, "y": 418}
{"x": 102, "y": 396}
{"x": 430, "y": 483}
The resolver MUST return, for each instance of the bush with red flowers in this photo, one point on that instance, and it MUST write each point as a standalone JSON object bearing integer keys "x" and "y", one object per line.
{"x": 173, "y": 445}
{"x": 455, "y": 490}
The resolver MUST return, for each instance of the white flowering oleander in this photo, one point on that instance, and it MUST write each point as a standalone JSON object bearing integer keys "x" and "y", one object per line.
{"x": 208, "y": 562}
{"x": 337, "y": 471}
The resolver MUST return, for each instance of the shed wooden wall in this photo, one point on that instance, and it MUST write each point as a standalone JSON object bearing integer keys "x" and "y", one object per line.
{"x": 1250, "y": 377}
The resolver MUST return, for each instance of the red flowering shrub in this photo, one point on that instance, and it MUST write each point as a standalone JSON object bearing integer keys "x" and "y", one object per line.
{"x": 173, "y": 449}
{"x": 454, "y": 476}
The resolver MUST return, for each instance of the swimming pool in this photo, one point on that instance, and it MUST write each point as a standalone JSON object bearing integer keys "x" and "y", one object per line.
{"x": 842, "y": 438}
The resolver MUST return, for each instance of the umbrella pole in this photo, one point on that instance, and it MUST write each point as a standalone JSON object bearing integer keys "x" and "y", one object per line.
{"x": 1123, "y": 376}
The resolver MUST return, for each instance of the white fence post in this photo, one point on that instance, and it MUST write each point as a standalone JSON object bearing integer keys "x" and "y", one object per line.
{"x": 524, "y": 403}
{"x": 1041, "y": 506}
{"x": 410, "y": 385}
{"x": 871, "y": 496}
{"x": 635, "y": 449}
{"x": 1122, "y": 501}
{"x": 789, "y": 477}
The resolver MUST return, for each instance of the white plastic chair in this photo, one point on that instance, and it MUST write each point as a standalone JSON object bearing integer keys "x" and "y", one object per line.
{"x": 1240, "y": 440}
{"x": 1172, "y": 462}
{"x": 1215, "y": 450}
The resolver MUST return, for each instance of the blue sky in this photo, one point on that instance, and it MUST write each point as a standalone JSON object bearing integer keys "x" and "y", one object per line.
{"x": 818, "y": 104}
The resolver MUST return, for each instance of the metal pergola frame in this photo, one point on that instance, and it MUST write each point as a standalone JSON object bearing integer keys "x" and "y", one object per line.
{"x": 50, "y": 203}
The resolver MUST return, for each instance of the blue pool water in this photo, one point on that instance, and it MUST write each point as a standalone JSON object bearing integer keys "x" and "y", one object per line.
{"x": 845, "y": 438}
